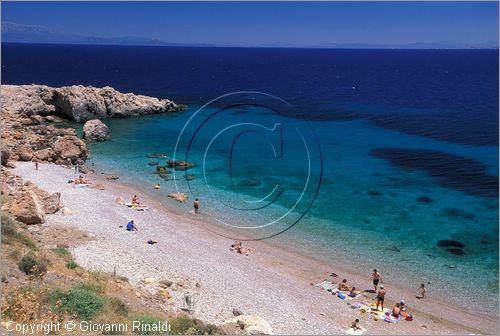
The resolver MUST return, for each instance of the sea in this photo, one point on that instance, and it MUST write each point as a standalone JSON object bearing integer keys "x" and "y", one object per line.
{"x": 367, "y": 159}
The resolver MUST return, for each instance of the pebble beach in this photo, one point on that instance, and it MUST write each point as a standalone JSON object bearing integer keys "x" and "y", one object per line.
{"x": 272, "y": 283}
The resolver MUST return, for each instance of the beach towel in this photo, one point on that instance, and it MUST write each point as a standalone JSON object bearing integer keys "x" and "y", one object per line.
{"x": 377, "y": 314}
{"x": 326, "y": 285}
{"x": 391, "y": 318}
{"x": 82, "y": 185}
{"x": 343, "y": 295}
{"x": 137, "y": 207}
{"x": 352, "y": 331}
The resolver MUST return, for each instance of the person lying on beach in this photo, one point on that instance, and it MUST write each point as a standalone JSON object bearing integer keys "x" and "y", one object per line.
{"x": 381, "y": 297}
{"x": 377, "y": 277}
{"x": 135, "y": 200}
{"x": 343, "y": 286}
{"x": 131, "y": 226}
{"x": 151, "y": 242}
{"x": 396, "y": 310}
{"x": 353, "y": 292}
{"x": 355, "y": 325}
{"x": 423, "y": 291}
{"x": 236, "y": 246}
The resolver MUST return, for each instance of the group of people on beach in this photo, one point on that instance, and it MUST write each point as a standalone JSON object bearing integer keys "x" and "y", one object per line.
{"x": 399, "y": 310}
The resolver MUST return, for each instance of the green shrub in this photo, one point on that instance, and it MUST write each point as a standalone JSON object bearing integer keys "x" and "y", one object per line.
{"x": 181, "y": 324}
{"x": 91, "y": 287}
{"x": 146, "y": 320}
{"x": 8, "y": 227}
{"x": 30, "y": 265}
{"x": 23, "y": 238}
{"x": 62, "y": 251}
{"x": 15, "y": 254}
{"x": 117, "y": 306}
{"x": 83, "y": 303}
{"x": 71, "y": 264}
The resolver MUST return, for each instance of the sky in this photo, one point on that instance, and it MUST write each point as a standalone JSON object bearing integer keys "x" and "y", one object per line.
{"x": 315, "y": 24}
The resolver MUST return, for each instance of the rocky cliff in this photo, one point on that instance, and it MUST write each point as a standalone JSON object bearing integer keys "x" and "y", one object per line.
{"x": 31, "y": 113}
{"x": 81, "y": 103}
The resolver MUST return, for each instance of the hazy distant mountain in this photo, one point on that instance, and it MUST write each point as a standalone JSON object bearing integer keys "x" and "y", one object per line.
{"x": 21, "y": 33}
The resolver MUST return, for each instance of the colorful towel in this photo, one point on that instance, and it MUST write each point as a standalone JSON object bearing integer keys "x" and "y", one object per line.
{"x": 352, "y": 331}
{"x": 391, "y": 318}
{"x": 137, "y": 207}
{"x": 326, "y": 285}
{"x": 343, "y": 295}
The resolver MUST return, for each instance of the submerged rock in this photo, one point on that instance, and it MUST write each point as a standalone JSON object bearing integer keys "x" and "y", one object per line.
{"x": 156, "y": 156}
{"x": 180, "y": 164}
{"x": 374, "y": 193}
{"x": 456, "y": 251}
{"x": 450, "y": 243}
{"x": 424, "y": 199}
{"x": 457, "y": 213}
{"x": 95, "y": 130}
{"x": 250, "y": 183}
{"x": 178, "y": 196}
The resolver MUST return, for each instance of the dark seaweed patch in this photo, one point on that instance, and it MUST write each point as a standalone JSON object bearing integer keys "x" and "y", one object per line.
{"x": 450, "y": 243}
{"x": 424, "y": 199}
{"x": 374, "y": 193}
{"x": 450, "y": 171}
{"x": 457, "y": 213}
{"x": 456, "y": 251}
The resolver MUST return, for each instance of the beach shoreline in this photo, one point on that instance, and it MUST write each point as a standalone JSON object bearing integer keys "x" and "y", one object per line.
{"x": 273, "y": 283}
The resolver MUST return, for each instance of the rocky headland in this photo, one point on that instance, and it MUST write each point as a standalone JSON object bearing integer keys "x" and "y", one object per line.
{"x": 33, "y": 119}
{"x": 31, "y": 114}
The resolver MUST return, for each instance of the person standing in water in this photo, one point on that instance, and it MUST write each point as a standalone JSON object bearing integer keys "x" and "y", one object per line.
{"x": 196, "y": 205}
{"x": 377, "y": 277}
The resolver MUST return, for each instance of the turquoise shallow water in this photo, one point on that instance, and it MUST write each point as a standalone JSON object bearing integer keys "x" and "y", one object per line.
{"x": 365, "y": 215}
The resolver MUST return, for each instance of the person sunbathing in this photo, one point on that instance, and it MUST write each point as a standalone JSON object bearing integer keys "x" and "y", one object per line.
{"x": 235, "y": 246}
{"x": 355, "y": 325}
{"x": 343, "y": 286}
{"x": 396, "y": 311}
{"x": 135, "y": 200}
{"x": 353, "y": 292}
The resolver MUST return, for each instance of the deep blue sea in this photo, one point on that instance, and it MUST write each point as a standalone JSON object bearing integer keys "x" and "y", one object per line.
{"x": 366, "y": 158}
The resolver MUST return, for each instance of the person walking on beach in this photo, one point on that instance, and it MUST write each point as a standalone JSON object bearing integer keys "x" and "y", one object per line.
{"x": 36, "y": 163}
{"x": 196, "y": 205}
{"x": 381, "y": 297}
{"x": 377, "y": 277}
